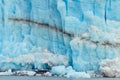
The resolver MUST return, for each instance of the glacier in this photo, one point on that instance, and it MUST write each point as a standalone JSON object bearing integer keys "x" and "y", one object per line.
{"x": 39, "y": 34}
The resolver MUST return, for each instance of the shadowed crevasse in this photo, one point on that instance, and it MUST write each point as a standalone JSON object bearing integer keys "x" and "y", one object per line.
{"x": 46, "y": 25}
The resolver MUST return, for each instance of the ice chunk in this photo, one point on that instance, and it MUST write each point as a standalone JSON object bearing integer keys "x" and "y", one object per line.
{"x": 68, "y": 72}
{"x": 47, "y": 74}
{"x": 7, "y": 73}
{"x": 23, "y": 73}
{"x": 110, "y": 67}
{"x": 58, "y": 70}
{"x": 78, "y": 75}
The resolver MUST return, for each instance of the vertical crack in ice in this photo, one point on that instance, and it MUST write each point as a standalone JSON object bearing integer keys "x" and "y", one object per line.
{"x": 107, "y": 6}
{"x": 3, "y": 13}
{"x": 110, "y": 4}
{"x": 2, "y": 23}
{"x": 94, "y": 5}
{"x": 105, "y": 14}
{"x": 30, "y": 5}
{"x": 66, "y": 4}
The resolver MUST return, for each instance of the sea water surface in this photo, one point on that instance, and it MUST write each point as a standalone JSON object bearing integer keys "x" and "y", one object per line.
{"x": 49, "y": 78}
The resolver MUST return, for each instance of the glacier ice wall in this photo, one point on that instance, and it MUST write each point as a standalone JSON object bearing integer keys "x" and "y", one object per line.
{"x": 85, "y": 31}
{"x": 29, "y": 27}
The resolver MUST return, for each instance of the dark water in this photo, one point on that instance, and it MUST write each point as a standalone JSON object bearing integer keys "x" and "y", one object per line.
{"x": 48, "y": 78}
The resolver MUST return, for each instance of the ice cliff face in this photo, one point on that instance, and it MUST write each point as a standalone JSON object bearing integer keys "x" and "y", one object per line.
{"x": 84, "y": 31}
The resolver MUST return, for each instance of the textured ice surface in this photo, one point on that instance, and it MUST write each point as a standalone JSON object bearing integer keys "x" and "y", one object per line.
{"x": 36, "y": 60}
{"x": 93, "y": 46}
{"x": 110, "y": 67}
{"x": 84, "y": 31}
{"x": 68, "y": 72}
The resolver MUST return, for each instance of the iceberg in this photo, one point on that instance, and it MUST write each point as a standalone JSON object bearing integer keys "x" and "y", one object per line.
{"x": 40, "y": 34}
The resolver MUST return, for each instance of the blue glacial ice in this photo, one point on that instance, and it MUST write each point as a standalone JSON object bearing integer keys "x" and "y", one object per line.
{"x": 68, "y": 72}
{"x": 37, "y": 34}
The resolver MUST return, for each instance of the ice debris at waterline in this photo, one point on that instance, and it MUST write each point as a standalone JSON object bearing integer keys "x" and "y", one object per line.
{"x": 68, "y": 72}
{"x": 18, "y": 73}
{"x": 81, "y": 32}
{"x": 110, "y": 67}
{"x": 60, "y": 71}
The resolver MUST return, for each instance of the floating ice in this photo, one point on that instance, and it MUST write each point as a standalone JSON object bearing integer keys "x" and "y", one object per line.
{"x": 28, "y": 73}
{"x": 6, "y": 73}
{"x": 48, "y": 74}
